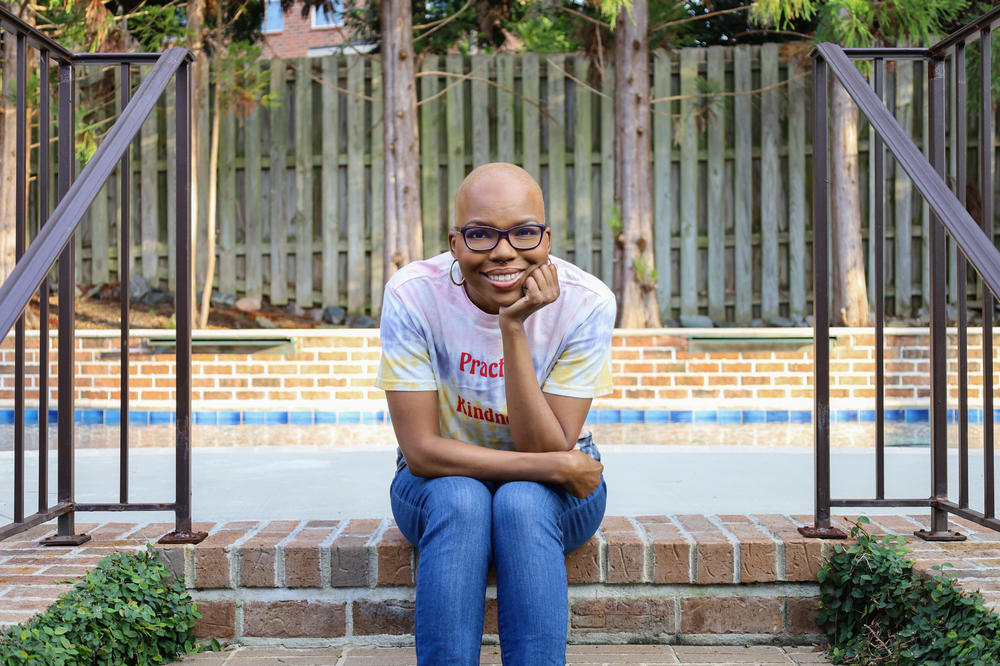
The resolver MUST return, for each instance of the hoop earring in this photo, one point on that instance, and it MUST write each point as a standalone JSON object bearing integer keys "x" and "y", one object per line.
{"x": 451, "y": 274}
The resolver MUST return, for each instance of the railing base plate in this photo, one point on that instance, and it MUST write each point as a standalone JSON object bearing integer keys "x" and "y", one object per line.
{"x": 72, "y": 540}
{"x": 822, "y": 533}
{"x": 927, "y": 535}
{"x": 183, "y": 537}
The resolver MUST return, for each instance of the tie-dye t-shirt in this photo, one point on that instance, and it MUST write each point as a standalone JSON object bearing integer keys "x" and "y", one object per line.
{"x": 435, "y": 339}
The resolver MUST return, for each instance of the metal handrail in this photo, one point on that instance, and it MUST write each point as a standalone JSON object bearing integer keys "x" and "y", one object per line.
{"x": 966, "y": 32}
{"x": 970, "y": 239}
{"x": 39, "y": 258}
{"x": 35, "y": 38}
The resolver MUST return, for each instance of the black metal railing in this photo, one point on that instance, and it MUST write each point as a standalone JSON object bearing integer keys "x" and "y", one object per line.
{"x": 52, "y": 243}
{"x": 948, "y": 214}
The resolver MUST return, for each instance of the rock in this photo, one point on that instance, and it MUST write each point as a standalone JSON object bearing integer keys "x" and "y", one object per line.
{"x": 796, "y": 319}
{"x": 782, "y": 322}
{"x": 670, "y": 322}
{"x": 223, "y": 300}
{"x": 295, "y": 310}
{"x": 94, "y": 291}
{"x": 809, "y": 320}
{"x": 316, "y": 314}
{"x": 334, "y": 314}
{"x": 756, "y": 323}
{"x": 138, "y": 287}
{"x": 361, "y": 321}
{"x": 696, "y": 321}
{"x": 158, "y": 297}
{"x": 264, "y": 322}
{"x": 727, "y": 324}
{"x": 247, "y": 304}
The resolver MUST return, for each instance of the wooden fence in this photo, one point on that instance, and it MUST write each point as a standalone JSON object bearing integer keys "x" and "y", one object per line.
{"x": 732, "y": 178}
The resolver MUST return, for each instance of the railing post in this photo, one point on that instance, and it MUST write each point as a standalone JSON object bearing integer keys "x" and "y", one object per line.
{"x": 989, "y": 304}
{"x": 821, "y": 310}
{"x": 65, "y": 534}
{"x": 938, "y": 324}
{"x": 182, "y": 529}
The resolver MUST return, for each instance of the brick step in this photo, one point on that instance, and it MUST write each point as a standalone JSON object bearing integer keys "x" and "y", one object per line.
{"x": 717, "y": 579}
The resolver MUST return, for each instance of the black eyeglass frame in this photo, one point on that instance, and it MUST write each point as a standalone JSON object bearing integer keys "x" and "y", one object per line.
{"x": 503, "y": 233}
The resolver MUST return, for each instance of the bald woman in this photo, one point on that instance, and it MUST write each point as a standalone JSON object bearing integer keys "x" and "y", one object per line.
{"x": 491, "y": 355}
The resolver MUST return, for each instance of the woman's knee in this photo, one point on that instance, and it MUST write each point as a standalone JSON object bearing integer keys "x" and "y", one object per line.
{"x": 458, "y": 498}
{"x": 524, "y": 503}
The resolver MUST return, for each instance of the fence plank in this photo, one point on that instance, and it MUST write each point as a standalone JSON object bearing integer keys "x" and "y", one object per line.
{"x": 149, "y": 204}
{"x": 376, "y": 221}
{"x": 583, "y": 233}
{"x": 608, "y": 178}
{"x": 356, "y": 131}
{"x": 202, "y": 97}
{"x": 277, "y": 187}
{"x": 330, "y": 188}
{"x": 770, "y": 182}
{"x": 529, "y": 116}
{"x": 903, "y": 195}
{"x": 171, "y": 113}
{"x": 742, "y": 192}
{"x": 480, "y": 102}
{"x": 797, "y": 99}
{"x": 99, "y": 238}
{"x": 715, "y": 210}
{"x": 303, "y": 221}
{"x": 253, "y": 188}
{"x": 689, "y": 184}
{"x": 505, "y": 108}
{"x": 663, "y": 190}
{"x": 430, "y": 164}
{"x": 226, "y": 281}
{"x": 556, "y": 204}
{"x": 455, "y": 118}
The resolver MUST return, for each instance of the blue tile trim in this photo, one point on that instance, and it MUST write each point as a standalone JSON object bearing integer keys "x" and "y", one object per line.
{"x": 681, "y": 416}
{"x": 140, "y": 417}
{"x": 657, "y": 416}
{"x": 730, "y": 417}
{"x": 777, "y": 416}
{"x": 800, "y": 416}
{"x": 206, "y": 418}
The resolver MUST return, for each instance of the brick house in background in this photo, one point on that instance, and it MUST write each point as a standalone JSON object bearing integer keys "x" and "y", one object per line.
{"x": 290, "y": 35}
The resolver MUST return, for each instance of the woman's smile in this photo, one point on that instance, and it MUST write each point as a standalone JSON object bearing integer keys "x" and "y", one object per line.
{"x": 505, "y": 278}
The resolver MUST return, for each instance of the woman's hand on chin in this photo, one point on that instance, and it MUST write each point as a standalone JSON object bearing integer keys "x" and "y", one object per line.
{"x": 541, "y": 287}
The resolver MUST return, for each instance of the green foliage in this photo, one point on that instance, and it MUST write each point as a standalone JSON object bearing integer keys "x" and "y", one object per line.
{"x": 875, "y": 610}
{"x": 543, "y": 32}
{"x": 128, "y": 610}
{"x": 615, "y": 223}
{"x": 240, "y": 82}
{"x": 643, "y": 274}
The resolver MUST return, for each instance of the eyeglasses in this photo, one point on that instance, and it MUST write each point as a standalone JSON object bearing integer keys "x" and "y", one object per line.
{"x": 521, "y": 237}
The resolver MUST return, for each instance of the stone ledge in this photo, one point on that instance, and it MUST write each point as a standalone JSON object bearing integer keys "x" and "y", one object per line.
{"x": 686, "y": 578}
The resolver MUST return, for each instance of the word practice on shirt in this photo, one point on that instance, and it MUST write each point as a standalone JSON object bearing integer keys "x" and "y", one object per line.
{"x": 476, "y": 366}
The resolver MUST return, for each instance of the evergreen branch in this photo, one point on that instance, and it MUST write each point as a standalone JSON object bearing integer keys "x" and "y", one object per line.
{"x": 688, "y": 19}
{"x": 583, "y": 16}
{"x": 674, "y": 98}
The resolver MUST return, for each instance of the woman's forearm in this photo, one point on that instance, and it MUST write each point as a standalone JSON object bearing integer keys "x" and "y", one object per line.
{"x": 533, "y": 425}
{"x": 439, "y": 456}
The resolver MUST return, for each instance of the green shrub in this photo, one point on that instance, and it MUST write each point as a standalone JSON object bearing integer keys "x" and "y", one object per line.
{"x": 876, "y": 610}
{"x": 128, "y": 610}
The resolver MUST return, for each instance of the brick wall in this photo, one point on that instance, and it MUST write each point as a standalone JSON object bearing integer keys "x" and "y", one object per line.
{"x": 672, "y": 368}
{"x": 299, "y": 36}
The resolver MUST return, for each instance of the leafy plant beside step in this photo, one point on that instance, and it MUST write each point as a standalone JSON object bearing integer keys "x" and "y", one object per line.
{"x": 876, "y": 610}
{"x": 128, "y": 610}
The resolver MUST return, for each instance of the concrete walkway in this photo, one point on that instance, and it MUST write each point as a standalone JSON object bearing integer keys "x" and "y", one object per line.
{"x": 576, "y": 654}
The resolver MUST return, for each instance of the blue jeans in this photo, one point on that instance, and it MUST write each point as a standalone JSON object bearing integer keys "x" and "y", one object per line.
{"x": 460, "y": 527}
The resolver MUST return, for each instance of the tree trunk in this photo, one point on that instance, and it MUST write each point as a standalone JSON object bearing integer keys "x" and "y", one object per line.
{"x": 850, "y": 295}
{"x": 633, "y": 169}
{"x": 403, "y": 237}
{"x": 8, "y": 160}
